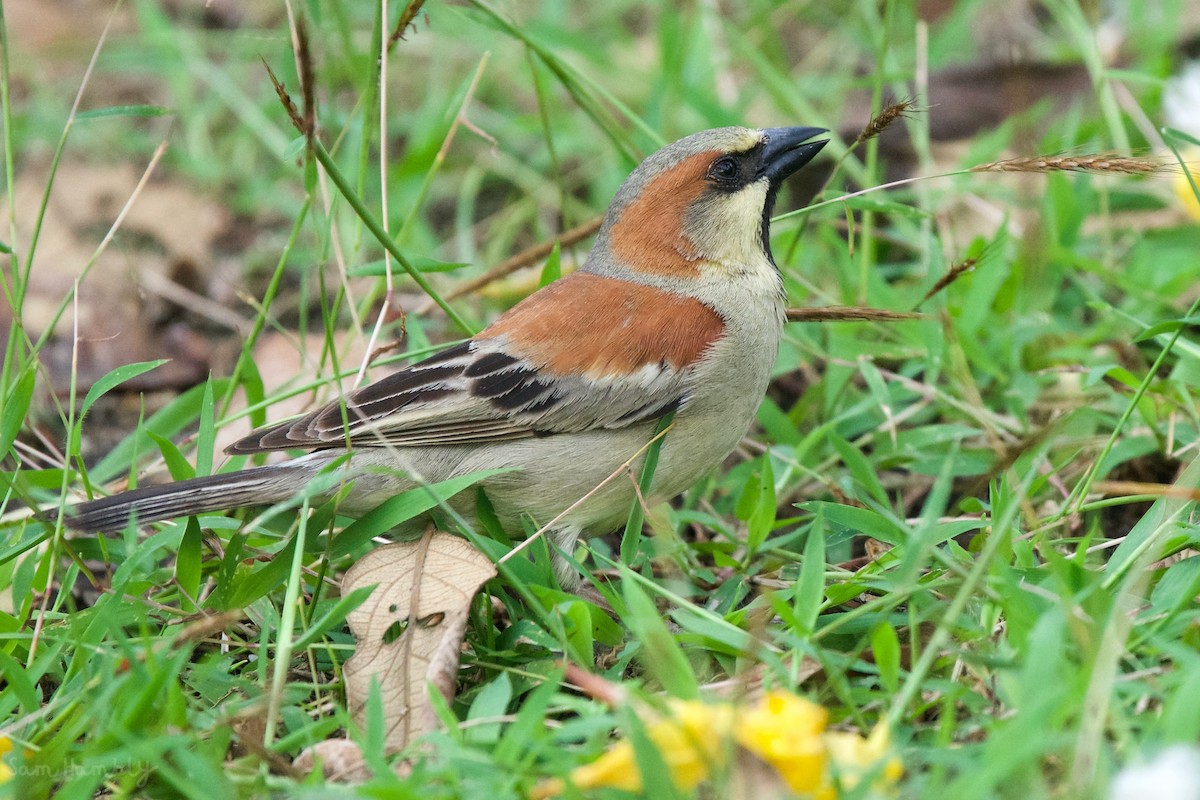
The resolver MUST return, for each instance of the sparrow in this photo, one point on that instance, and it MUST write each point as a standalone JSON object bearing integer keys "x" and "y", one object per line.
{"x": 679, "y": 307}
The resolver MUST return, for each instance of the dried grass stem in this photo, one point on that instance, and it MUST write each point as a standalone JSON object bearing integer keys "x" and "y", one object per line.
{"x": 848, "y": 314}
{"x": 881, "y": 121}
{"x": 1101, "y": 163}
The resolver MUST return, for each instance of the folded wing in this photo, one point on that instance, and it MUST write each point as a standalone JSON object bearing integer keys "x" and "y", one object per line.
{"x": 585, "y": 352}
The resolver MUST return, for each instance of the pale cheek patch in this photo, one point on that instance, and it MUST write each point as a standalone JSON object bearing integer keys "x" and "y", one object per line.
{"x": 725, "y": 228}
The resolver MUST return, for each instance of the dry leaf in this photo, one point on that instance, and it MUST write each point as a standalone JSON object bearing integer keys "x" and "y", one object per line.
{"x": 340, "y": 759}
{"x": 410, "y": 630}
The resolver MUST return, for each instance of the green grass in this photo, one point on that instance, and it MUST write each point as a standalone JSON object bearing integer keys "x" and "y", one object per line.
{"x": 1021, "y": 632}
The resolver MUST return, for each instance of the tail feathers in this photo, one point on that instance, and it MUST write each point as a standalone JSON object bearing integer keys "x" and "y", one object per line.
{"x": 252, "y": 487}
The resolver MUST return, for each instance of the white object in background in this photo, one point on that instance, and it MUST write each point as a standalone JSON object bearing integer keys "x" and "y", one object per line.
{"x": 1172, "y": 774}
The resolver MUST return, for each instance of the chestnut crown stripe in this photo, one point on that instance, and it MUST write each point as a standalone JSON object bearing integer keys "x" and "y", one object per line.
{"x": 648, "y": 235}
{"x": 615, "y": 327}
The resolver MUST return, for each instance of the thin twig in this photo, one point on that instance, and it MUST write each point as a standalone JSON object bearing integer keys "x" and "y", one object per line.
{"x": 1131, "y": 488}
{"x": 595, "y": 687}
{"x": 133, "y": 196}
{"x": 849, "y": 313}
{"x": 384, "y": 214}
{"x": 460, "y": 119}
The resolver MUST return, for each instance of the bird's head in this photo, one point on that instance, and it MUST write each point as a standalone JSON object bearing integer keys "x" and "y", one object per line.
{"x": 702, "y": 202}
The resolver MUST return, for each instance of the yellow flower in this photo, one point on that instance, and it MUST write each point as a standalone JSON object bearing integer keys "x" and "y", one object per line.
{"x": 1181, "y": 110}
{"x": 690, "y": 741}
{"x": 783, "y": 730}
{"x": 1183, "y": 188}
{"x": 6, "y": 772}
{"x": 854, "y": 757}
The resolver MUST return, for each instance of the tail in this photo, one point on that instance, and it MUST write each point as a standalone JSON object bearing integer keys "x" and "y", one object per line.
{"x": 251, "y": 487}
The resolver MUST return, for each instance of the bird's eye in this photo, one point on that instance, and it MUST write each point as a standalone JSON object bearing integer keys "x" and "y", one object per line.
{"x": 724, "y": 169}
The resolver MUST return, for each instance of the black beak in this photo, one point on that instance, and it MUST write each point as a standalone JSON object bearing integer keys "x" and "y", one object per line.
{"x": 785, "y": 151}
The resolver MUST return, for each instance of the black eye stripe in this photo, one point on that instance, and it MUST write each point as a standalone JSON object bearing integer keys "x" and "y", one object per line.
{"x": 730, "y": 172}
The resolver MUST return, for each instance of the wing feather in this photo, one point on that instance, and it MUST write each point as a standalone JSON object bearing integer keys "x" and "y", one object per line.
{"x": 519, "y": 378}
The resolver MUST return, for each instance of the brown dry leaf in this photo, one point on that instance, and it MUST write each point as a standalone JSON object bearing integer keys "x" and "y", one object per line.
{"x": 340, "y": 759}
{"x": 410, "y": 629}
